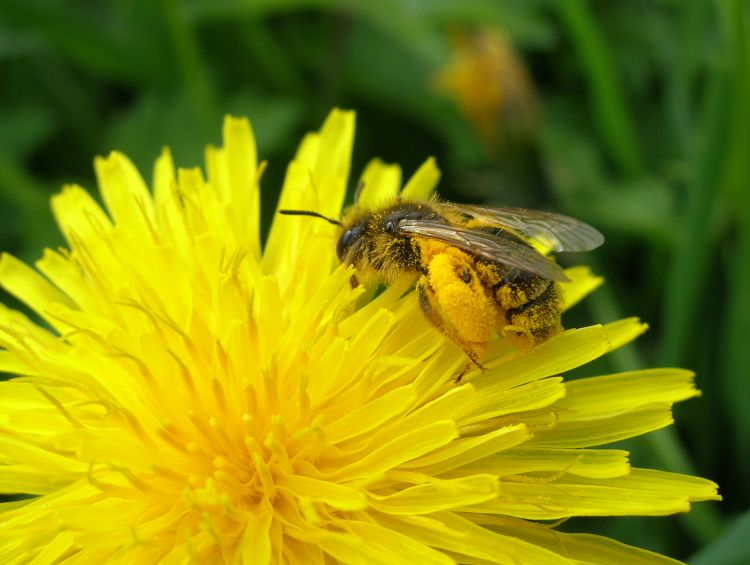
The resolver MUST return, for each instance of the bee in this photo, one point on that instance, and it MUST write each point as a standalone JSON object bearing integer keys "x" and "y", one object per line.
{"x": 475, "y": 268}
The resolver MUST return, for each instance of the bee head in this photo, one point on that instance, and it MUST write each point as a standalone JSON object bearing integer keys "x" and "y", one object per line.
{"x": 350, "y": 236}
{"x": 346, "y": 246}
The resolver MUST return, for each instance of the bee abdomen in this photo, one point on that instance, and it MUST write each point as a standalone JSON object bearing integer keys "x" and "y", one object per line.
{"x": 518, "y": 288}
{"x": 538, "y": 318}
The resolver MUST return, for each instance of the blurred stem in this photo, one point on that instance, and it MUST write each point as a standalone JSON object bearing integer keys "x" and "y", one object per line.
{"x": 339, "y": 24}
{"x": 21, "y": 190}
{"x": 233, "y": 9}
{"x": 27, "y": 196}
{"x": 610, "y": 108}
{"x": 703, "y": 521}
{"x": 733, "y": 548}
{"x": 190, "y": 61}
{"x": 681, "y": 77}
{"x": 73, "y": 36}
{"x": 270, "y": 56}
{"x": 737, "y": 355}
{"x": 72, "y": 101}
{"x": 708, "y": 179}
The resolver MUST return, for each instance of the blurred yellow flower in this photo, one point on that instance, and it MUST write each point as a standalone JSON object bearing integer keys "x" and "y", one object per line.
{"x": 187, "y": 398}
{"x": 490, "y": 86}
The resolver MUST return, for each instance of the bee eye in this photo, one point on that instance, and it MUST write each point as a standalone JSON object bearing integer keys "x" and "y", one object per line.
{"x": 390, "y": 226}
{"x": 347, "y": 239}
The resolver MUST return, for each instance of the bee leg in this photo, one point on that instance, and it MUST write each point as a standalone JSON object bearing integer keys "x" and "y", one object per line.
{"x": 468, "y": 367}
{"x": 464, "y": 301}
{"x": 518, "y": 335}
{"x": 430, "y": 308}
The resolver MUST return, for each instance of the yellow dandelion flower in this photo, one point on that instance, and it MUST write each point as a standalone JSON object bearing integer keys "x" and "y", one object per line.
{"x": 490, "y": 85}
{"x": 189, "y": 398}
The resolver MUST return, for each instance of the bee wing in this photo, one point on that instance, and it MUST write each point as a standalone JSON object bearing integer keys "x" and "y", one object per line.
{"x": 487, "y": 245}
{"x": 558, "y": 232}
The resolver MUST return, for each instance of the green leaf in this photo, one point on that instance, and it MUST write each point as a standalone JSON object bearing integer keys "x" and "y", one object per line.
{"x": 25, "y": 214}
{"x": 642, "y": 206}
{"x": 607, "y": 98}
{"x": 732, "y": 548}
{"x": 24, "y": 127}
{"x": 372, "y": 80}
{"x": 736, "y": 182}
{"x": 100, "y": 44}
{"x": 719, "y": 166}
{"x": 230, "y": 9}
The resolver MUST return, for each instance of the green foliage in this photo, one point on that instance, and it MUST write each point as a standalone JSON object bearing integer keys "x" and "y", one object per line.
{"x": 645, "y": 133}
{"x": 732, "y": 548}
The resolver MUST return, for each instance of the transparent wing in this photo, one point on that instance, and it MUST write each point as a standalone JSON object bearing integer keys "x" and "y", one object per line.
{"x": 488, "y": 246}
{"x": 558, "y": 232}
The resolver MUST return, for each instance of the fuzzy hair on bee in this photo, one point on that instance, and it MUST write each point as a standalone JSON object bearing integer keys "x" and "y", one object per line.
{"x": 372, "y": 242}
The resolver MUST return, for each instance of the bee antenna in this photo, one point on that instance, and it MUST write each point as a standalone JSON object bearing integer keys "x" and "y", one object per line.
{"x": 309, "y": 213}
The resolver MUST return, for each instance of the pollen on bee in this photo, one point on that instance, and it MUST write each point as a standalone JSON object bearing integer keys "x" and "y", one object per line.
{"x": 511, "y": 296}
{"x": 465, "y": 303}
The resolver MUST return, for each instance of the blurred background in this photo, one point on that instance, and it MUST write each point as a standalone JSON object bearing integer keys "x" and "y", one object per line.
{"x": 633, "y": 116}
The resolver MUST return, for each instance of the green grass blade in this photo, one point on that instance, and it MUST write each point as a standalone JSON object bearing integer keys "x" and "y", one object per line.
{"x": 190, "y": 61}
{"x": 681, "y": 81}
{"x": 735, "y": 382}
{"x": 732, "y": 548}
{"x": 613, "y": 118}
{"x": 686, "y": 275}
{"x": 271, "y": 56}
{"x": 81, "y": 39}
{"x": 721, "y": 164}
